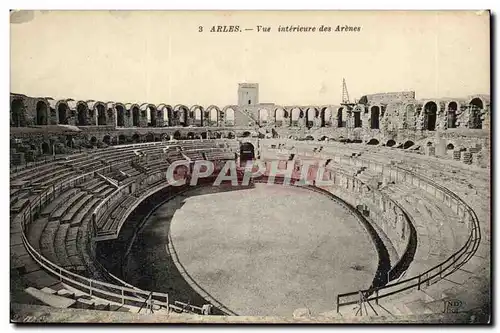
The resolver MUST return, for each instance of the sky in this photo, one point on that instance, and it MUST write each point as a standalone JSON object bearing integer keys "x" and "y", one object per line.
{"x": 161, "y": 57}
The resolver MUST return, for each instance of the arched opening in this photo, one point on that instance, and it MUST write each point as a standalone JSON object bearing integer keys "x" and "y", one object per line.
{"x": 310, "y": 116}
{"x": 190, "y": 136}
{"x": 230, "y": 135}
{"x": 452, "y": 115}
{"x": 408, "y": 144}
{"x": 475, "y": 108}
{"x": 81, "y": 111}
{"x": 263, "y": 115}
{"x": 136, "y": 138}
{"x": 183, "y": 116}
{"x": 373, "y": 142}
{"x": 229, "y": 117}
{"x": 16, "y": 109}
{"x": 69, "y": 141}
{"x": 326, "y": 114}
{"x": 45, "y": 148}
{"x": 390, "y": 143}
{"x": 41, "y": 113}
{"x": 279, "y": 116}
{"x": 203, "y": 135}
{"x": 107, "y": 140}
{"x": 197, "y": 116}
{"x": 122, "y": 139}
{"x": 450, "y": 146}
{"x": 375, "y": 117}
{"x": 62, "y": 113}
{"x": 429, "y": 144}
{"x": 101, "y": 114}
{"x": 135, "y": 116}
{"x": 357, "y": 119}
{"x": 309, "y": 138}
{"x": 93, "y": 141}
{"x": 245, "y": 134}
{"x": 120, "y": 115}
{"x": 323, "y": 138}
{"x": 213, "y": 115}
{"x": 150, "y": 137}
{"x": 247, "y": 153}
{"x": 218, "y": 135}
{"x": 177, "y": 135}
{"x": 340, "y": 121}
{"x": 295, "y": 116}
{"x": 430, "y": 116}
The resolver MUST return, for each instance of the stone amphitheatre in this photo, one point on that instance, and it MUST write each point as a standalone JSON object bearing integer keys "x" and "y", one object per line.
{"x": 393, "y": 225}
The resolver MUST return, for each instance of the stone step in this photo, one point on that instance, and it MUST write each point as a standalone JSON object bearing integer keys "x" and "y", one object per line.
{"x": 47, "y": 242}
{"x": 35, "y": 231}
{"x": 60, "y": 246}
{"x": 65, "y": 206}
{"x": 50, "y": 299}
{"x": 68, "y": 216}
{"x": 85, "y": 211}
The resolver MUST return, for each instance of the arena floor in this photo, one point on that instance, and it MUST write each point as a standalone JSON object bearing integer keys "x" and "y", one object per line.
{"x": 267, "y": 250}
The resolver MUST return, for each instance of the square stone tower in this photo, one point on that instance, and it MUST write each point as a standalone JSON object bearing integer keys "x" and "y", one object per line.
{"x": 248, "y": 94}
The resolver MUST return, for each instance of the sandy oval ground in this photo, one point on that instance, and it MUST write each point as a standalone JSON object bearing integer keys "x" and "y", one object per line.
{"x": 271, "y": 249}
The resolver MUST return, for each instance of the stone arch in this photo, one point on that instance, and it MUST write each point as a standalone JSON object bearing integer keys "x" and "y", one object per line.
{"x": 247, "y": 153}
{"x": 430, "y": 115}
{"x": 263, "y": 116}
{"x": 197, "y": 112}
{"x": 42, "y": 114}
{"x": 107, "y": 139}
{"x": 408, "y": 144}
{"x": 120, "y": 114}
{"x": 373, "y": 142}
{"x": 151, "y": 115}
{"x": 164, "y": 112}
{"x": 295, "y": 116}
{"x": 451, "y": 114}
{"x": 310, "y": 115}
{"x": 62, "y": 112}
{"x": 326, "y": 115}
{"x": 17, "y": 112}
{"x": 136, "y": 117}
{"x": 101, "y": 113}
{"x": 476, "y": 107}
{"x": 229, "y": 116}
{"x": 390, "y": 143}
{"x": 183, "y": 114}
{"x": 450, "y": 146}
{"x": 190, "y": 135}
{"x": 340, "y": 120}
{"x": 122, "y": 139}
{"x": 375, "y": 117}
{"x": 93, "y": 141}
{"x": 212, "y": 112}
{"x": 177, "y": 135}
{"x": 82, "y": 111}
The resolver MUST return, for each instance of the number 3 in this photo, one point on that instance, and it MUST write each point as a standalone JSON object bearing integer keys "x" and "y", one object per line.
{"x": 200, "y": 29}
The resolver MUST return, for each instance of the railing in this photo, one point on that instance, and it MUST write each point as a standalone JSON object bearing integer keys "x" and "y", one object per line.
{"x": 431, "y": 275}
{"x": 111, "y": 292}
